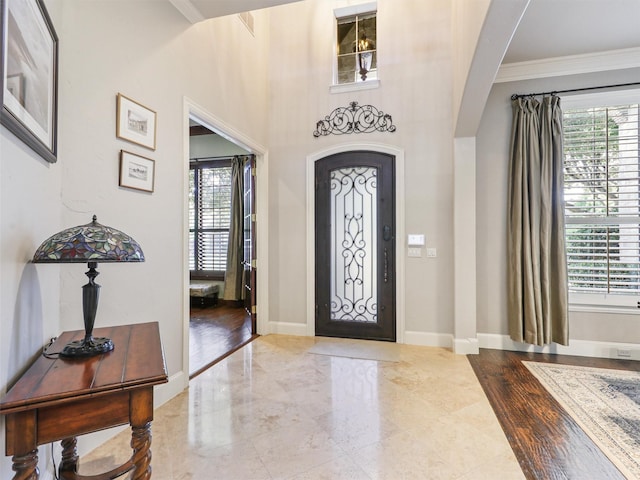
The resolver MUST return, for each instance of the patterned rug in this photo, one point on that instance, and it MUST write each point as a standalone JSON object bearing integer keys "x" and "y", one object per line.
{"x": 605, "y": 403}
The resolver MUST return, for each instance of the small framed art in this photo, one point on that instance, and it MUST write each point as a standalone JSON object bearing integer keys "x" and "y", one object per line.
{"x": 29, "y": 75}
{"x": 136, "y": 172}
{"x": 135, "y": 122}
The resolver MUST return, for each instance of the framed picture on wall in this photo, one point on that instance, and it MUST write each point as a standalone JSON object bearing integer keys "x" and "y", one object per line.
{"x": 135, "y": 122}
{"x": 29, "y": 75}
{"x": 136, "y": 172}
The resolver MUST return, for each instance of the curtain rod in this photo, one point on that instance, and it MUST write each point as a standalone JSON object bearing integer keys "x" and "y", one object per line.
{"x": 517, "y": 95}
{"x": 224, "y": 157}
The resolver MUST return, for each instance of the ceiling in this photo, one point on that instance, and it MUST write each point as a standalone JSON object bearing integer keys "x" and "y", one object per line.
{"x": 198, "y": 10}
{"x": 558, "y": 28}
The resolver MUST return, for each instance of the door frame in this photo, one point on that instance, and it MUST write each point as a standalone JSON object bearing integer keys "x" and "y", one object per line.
{"x": 191, "y": 108}
{"x": 400, "y": 228}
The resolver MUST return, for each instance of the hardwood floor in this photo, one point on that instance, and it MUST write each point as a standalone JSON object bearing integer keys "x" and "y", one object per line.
{"x": 545, "y": 439}
{"x": 214, "y": 333}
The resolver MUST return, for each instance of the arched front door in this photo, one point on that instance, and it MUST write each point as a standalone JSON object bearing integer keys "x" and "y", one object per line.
{"x": 355, "y": 246}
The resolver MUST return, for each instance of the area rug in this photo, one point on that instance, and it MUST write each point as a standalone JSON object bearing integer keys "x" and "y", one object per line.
{"x": 361, "y": 349}
{"x": 606, "y": 405}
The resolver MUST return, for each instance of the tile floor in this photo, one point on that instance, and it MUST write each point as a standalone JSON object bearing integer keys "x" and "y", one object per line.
{"x": 272, "y": 410}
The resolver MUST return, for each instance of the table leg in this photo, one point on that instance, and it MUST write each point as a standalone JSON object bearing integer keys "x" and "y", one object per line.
{"x": 26, "y": 466}
{"x": 69, "y": 461}
{"x": 141, "y": 445}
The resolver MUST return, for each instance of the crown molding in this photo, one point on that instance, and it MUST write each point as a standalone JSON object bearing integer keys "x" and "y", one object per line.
{"x": 569, "y": 65}
{"x": 189, "y": 10}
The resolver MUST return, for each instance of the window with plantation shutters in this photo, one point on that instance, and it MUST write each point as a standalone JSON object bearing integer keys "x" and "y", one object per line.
{"x": 209, "y": 217}
{"x": 602, "y": 201}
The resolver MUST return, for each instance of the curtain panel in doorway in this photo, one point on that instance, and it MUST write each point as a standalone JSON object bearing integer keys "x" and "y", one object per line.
{"x": 537, "y": 267}
{"x": 233, "y": 276}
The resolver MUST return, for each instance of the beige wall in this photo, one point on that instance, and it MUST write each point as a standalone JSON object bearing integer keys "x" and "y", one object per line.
{"x": 148, "y": 51}
{"x": 415, "y": 88}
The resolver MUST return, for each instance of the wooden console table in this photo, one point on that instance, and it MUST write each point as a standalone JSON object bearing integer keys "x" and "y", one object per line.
{"x": 60, "y": 398}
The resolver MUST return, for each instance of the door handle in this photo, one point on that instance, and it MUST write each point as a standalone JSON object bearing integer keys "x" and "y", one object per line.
{"x": 386, "y": 265}
{"x": 386, "y": 233}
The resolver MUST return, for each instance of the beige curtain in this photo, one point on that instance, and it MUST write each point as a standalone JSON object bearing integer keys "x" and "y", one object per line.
{"x": 537, "y": 267}
{"x": 233, "y": 288}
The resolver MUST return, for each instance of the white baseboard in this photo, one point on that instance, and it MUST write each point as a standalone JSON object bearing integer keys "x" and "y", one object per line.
{"x": 426, "y": 339}
{"x": 466, "y": 346}
{"x": 288, "y": 328}
{"x": 580, "y": 348}
{"x": 165, "y": 392}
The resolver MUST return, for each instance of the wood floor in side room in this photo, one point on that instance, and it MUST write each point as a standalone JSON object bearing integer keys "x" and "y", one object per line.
{"x": 214, "y": 333}
{"x": 545, "y": 439}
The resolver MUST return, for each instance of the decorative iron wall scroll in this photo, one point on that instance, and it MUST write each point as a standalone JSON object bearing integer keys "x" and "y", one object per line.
{"x": 354, "y": 119}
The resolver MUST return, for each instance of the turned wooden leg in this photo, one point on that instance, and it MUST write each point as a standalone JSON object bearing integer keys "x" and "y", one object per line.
{"x": 26, "y": 466}
{"x": 141, "y": 445}
{"x": 69, "y": 461}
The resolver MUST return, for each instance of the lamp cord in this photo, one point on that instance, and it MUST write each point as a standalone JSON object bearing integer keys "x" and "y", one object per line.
{"x": 53, "y": 460}
{"x": 45, "y": 349}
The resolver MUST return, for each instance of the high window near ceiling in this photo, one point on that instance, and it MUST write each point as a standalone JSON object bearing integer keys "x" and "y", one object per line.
{"x": 602, "y": 198}
{"x": 356, "y": 58}
{"x": 209, "y": 217}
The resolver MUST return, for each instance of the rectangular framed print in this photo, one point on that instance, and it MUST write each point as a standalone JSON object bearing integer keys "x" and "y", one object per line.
{"x": 136, "y": 172}
{"x": 29, "y": 75}
{"x": 135, "y": 122}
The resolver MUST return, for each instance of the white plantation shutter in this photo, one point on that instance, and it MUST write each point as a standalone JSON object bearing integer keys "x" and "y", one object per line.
{"x": 209, "y": 217}
{"x": 602, "y": 199}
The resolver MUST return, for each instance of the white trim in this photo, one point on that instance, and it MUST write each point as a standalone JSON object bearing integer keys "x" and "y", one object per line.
{"x": 466, "y": 346}
{"x": 400, "y": 229}
{"x": 569, "y": 65}
{"x": 426, "y": 339}
{"x": 464, "y": 244}
{"x": 370, "y": 7}
{"x": 189, "y": 10}
{"x": 600, "y": 99}
{"x": 354, "y": 87}
{"x": 192, "y": 109}
{"x": 165, "y": 392}
{"x": 581, "y": 348}
{"x": 289, "y": 328}
{"x": 628, "y": 304}
{"x": 611, "y": 309}
{"x": 355, "y": 10}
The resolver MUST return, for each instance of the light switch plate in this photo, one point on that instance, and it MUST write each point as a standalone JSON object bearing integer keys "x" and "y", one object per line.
{"x": 416, "y": 240}
{"x": 414, "y": 252}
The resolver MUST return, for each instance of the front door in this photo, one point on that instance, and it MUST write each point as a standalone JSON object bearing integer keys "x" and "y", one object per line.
{"x": 355, "y": 246}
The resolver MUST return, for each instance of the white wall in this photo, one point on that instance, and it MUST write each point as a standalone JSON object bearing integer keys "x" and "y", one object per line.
{"x": 29, "y": 295}
{"x": 414, "y": 66}
{"x": 149, "y": 52}
{"x": 492, "y": 173}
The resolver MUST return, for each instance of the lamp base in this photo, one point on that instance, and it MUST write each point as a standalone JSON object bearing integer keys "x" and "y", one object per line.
{"x": 87, "y": 348}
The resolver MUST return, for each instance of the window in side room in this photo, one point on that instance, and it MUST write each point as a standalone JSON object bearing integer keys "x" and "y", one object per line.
{"x": 209, "y": 217}
{"x": 356, "y": 48}
{"x": 602, "y": 199}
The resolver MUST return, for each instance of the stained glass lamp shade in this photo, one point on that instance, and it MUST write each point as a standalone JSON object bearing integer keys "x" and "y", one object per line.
{"x": 92, "y": 243}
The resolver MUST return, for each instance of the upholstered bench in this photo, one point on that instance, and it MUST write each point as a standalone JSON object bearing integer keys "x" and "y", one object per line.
{"x": 203, "y": 294}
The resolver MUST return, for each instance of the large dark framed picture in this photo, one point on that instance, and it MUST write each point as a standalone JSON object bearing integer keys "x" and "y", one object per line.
{"x": 29, "y": 75}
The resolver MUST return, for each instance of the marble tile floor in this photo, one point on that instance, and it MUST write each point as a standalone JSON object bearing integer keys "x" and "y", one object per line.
{"x": 272, "y": 410}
